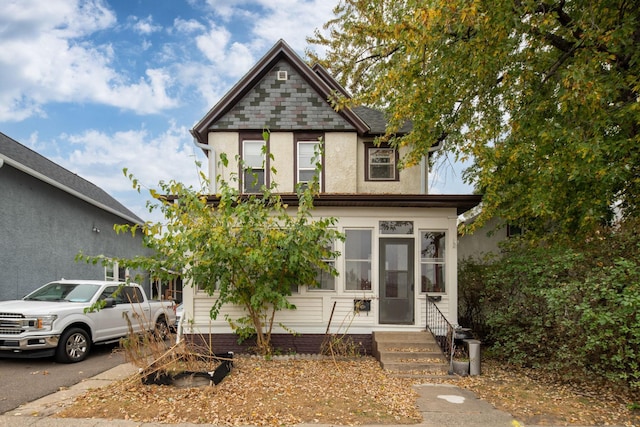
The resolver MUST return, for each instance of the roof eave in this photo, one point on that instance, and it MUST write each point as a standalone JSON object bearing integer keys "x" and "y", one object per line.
{"x": 19, "y": 166}
{"x": 461, "y": 202}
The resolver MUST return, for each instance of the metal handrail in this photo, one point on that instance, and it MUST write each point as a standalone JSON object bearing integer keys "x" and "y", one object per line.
{"x": 441, "y": 329}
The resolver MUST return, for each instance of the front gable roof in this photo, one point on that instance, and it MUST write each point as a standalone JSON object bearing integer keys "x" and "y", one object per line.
{"x": 254, "y": 102}
{"x": 18, "y": 156}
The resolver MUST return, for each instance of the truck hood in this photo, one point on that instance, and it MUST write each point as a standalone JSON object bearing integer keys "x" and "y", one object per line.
{"x": 39, "y": 307}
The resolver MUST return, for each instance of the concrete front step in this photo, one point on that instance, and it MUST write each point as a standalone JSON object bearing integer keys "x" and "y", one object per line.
{"x": 407, "y": 347}
{"x": 415, "y": 366}
{"x": 410, "y": 336}
{"x": 392, "y": 355}
{"x": 409, "y": 353}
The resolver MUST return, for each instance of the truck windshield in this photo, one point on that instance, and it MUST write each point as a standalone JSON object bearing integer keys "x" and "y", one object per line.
{"x": 72, "y": 292}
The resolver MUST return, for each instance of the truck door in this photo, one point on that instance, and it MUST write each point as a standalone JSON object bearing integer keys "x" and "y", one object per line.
{"x": 110, "y": 322}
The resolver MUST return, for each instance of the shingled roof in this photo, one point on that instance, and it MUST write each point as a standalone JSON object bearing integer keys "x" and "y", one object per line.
{"x": 364, "y": 120}
{"x": 18, "y": 156}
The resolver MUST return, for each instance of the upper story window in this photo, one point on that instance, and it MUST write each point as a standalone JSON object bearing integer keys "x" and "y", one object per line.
{"x": 381, "y": 163}
{"x": 113, "y": 272}
{"x": 253, "y": 156}
{"x": 307, "y": 145}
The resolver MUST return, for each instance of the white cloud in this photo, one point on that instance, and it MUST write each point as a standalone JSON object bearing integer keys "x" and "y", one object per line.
{"x": 100, "y": 158}
{"x": 291, "y": 20}
{"x": 232, "y": 60}
{"x": 145, "y": 25}
{"x": 213, "y": 44}
{"x": 188, "y": 26}
{"x": 45, "y": 57}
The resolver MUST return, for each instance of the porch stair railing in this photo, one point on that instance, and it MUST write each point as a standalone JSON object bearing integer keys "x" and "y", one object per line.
{"x": 442, "y": 331}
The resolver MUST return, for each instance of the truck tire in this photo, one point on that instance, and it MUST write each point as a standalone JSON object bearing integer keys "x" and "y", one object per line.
{"x": 162, "y": 329}
{"x": 74, "y": 346}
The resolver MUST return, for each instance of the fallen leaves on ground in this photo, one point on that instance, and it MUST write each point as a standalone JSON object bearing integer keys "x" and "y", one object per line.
{"x": 538, "y": 398}
{"x": 350, "y": 392}
{"x": 262, "y": 393}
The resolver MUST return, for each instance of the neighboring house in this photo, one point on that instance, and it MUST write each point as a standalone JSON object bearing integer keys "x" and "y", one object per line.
{"x": 400, "y": 242}
{"x": 484, "y": 242}
{"x": 47, "y": 216}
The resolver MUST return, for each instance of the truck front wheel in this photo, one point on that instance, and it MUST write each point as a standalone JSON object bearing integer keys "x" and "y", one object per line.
{"x": 162, "y": 329}
{"x": 73, "y": 346}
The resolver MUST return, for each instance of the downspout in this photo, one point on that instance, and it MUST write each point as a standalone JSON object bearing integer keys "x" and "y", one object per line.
{"x": 424, "y": 169}
{"x": 212, "y": 164}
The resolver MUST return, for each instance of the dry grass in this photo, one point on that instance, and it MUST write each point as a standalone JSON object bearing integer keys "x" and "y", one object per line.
{"x": 260, "y": 392}
{"x": 340, "y": 392}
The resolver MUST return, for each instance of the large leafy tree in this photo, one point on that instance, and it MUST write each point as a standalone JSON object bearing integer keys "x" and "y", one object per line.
{"x": 543, "y": 95}
{"x": 247, "y": 250}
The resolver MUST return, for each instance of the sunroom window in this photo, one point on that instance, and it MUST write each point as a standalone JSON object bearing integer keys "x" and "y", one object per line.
{"x": 432, "y": 261}
{"x": 358, "y": 249}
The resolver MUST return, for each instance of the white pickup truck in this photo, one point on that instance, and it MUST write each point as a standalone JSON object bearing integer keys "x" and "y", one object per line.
{"x": 57, "y": 319}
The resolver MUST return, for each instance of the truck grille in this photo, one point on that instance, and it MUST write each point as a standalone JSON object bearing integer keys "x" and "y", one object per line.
{"x": 11, "y": 324}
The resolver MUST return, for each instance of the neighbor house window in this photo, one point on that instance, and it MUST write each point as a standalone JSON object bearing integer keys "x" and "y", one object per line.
{"x": 381, "y": 163}
{"x": 113, "y": 272}
{"x": 432, "y": 260}
{"x": 307, "y": 146}
{"x": 358, "y": 249}
{"x": 253, "y": 157}
{"x": 325, "y": 280}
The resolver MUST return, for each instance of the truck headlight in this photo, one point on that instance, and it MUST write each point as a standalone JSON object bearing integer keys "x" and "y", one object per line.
{"x": 46, "y": 322}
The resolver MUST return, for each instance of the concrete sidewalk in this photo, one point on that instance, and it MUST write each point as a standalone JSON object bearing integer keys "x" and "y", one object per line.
{"x": 441, "y": 405}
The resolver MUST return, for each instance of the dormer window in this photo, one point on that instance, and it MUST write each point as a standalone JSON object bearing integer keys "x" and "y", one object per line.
{"x": 381, "y": 162}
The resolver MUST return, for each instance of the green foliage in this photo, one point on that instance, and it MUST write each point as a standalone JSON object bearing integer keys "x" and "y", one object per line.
{"x": 247, "y": 250}
{"x": 573, "y": 308}
{"x": 542, "y": 95}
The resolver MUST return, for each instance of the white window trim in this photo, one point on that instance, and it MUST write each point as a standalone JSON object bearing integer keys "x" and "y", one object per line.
{"x": 245, "y": 166}
{"x": 433, "y": 261}
{"x": 391, "y": 164}
{"x": 312, "y": 167}
{"x": 371, "y": 260}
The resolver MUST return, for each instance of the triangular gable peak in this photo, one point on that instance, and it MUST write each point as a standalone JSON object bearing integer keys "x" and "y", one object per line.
{"x": 281, "y": 92}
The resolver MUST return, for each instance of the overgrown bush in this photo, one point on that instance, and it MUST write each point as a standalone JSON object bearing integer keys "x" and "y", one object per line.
{"x": 566, "y": 306}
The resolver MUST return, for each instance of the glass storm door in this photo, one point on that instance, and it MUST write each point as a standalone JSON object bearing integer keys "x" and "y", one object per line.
{"x": 396, "y": 281}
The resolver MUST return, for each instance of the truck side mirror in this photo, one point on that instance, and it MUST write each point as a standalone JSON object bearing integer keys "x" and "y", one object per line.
{"x": 109, "y": 302}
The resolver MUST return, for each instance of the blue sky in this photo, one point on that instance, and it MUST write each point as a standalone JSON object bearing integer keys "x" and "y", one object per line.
{"x": 100, "y": 85}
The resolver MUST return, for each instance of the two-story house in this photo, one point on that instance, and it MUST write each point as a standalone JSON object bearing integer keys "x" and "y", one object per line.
{"x": 400, "y": 242}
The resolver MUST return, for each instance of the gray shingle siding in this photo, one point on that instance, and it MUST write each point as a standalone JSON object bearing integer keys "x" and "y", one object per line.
{"x": 32, "y": 160}
{"x": 43, "y": 225}
{"x": 283, "y": 105}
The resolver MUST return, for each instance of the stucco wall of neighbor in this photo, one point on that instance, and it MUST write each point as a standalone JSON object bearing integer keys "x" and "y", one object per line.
{"x": 42, "y": 229}
{"x": 341, "y": 172}
{"x": 315, "y": 307}
{"x": 483, "y": 241}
